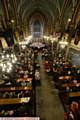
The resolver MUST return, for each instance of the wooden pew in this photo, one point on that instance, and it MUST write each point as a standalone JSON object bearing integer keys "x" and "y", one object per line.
{"x": 14, "y": 100}
{"x": 15, "y": 88}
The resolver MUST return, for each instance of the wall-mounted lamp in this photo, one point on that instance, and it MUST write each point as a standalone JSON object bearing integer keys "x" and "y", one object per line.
{"x": 69, "y": 19}
{"x": 12, "y": 21}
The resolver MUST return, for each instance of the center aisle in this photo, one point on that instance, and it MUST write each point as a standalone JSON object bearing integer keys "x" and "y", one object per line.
{"x": 48, "y": 104}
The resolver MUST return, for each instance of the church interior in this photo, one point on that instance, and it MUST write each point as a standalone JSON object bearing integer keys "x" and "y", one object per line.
{"x": 40, "y": 59}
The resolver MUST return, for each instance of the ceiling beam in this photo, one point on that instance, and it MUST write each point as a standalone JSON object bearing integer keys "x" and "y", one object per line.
{"x": 75, "y": 13}
{"x": 5, "y": 9}
{"x": 65, "y": 3}
{"x": 15, "y": 11}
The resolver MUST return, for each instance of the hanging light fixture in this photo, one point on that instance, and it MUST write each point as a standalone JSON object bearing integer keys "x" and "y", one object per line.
{"x": 7, "y": 55}
{"x": 6, "y": 62}
{"x": 2, "y": 56}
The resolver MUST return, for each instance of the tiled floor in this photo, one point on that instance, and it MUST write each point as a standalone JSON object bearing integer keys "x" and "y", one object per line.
{"x": 49, "y": 106}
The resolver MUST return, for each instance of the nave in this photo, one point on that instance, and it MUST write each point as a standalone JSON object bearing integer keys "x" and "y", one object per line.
{"x": 40, "y": 59}
{"x": 34, "y": 84}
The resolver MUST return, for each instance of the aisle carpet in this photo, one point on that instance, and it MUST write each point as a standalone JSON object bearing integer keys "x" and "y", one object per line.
{"x": 48, "y": 104}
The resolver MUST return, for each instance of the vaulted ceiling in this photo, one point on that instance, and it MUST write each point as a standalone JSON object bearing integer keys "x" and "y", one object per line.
{"x": 56, "y": 12}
